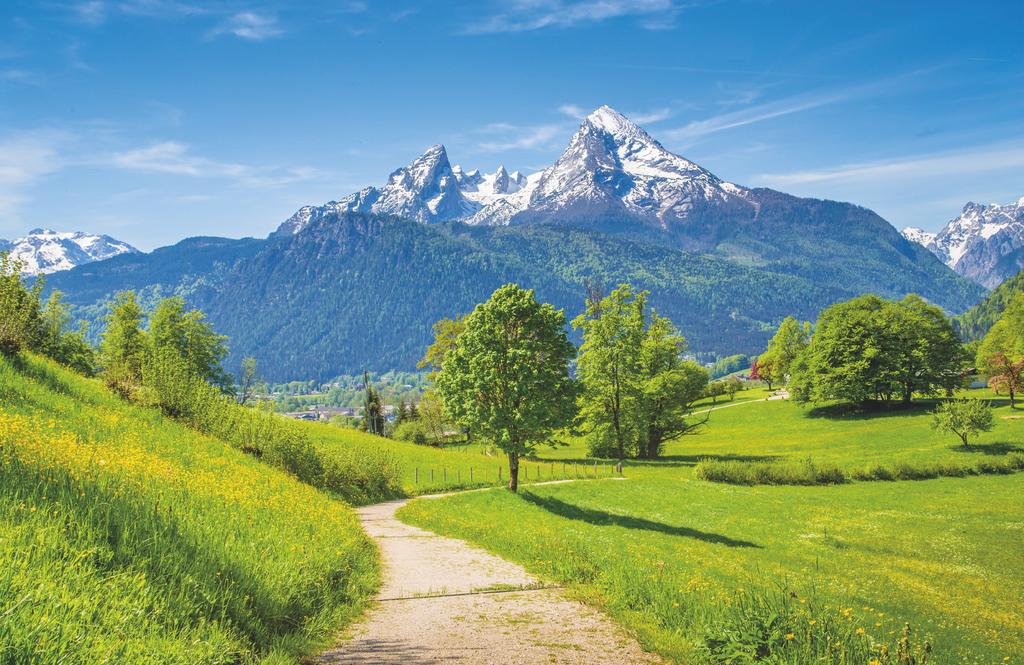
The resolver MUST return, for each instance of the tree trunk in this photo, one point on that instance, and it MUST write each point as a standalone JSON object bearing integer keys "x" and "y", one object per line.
{"x": 513, "y": 471}
{"x": 908, "y": 394}
{"x": 963, "y": 437}
{"x": 1013, "y": 405}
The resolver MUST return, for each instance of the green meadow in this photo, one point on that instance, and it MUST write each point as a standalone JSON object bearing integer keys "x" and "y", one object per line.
{"x": 703, "y": 571}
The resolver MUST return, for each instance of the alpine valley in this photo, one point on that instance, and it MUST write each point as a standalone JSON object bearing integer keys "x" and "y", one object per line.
{"x": 358, "y": 282}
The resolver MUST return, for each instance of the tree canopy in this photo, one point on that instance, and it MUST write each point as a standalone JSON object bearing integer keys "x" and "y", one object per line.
{"x": 869, "y": 349}
{"x": 636, "y": 391}
{"x": 507, "y": 379}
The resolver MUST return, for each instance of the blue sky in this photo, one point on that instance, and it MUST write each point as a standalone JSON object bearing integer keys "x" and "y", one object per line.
{"x": 153, "y": 120}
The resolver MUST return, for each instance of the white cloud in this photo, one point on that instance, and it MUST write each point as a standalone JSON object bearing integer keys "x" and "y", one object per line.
{"x": 573, "y": 111}
{"x": 755, "y": 114}
{"x": 525, "y": 15}
{"x": 249, "y": 25}
{"x": 650, "y": 117}
{"x": 978, "y": 160}
{"x": 92, "y": 12}
{"x": 25, "y": 158}
{"x": 515, "y": 137}
{"x": 174, "y": 158}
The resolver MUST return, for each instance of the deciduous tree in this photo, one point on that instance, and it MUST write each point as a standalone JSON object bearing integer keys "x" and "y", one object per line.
{"x": 963, "y": 417}
{"x": 508, "y": 376}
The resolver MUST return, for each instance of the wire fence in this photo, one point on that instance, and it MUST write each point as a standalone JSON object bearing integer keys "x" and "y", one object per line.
{"x": 529, "y": 472}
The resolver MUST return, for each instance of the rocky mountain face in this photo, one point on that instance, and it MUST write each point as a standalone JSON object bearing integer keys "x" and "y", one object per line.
{"x": 983, "y": 243}
{"x": 46, "y": 251}
{"x": 611, "y": 172}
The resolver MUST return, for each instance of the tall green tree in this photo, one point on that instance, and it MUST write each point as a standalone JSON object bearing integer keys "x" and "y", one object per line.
{"x": 508, "y": 376}
{"x": 609, "y": 370}
{"x": 446, "y": 336}
{"x": 789, "y": 341}
{"x": 20, "y": 322}
{"x": 58, "y": 341}
{"x": 123, "y": 347}
{"x": 636, "y": 391}
{"x": 1001, "y": 352}
{"x": 669, "y": 387}
{"x": 374, "y": 418}
{"x": 247, "y": 380}
{"x": 869, "y": 349}
{"x": 188, "y": 334}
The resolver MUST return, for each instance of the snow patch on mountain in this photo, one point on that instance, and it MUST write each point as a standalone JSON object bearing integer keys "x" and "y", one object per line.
{"x": 47, "y": 251}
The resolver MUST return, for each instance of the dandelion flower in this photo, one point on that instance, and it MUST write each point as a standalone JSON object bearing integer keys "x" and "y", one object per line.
{"x": 860, "y": 631}
{"x": 813, "y": 621}
{"x": 789, "y": 637}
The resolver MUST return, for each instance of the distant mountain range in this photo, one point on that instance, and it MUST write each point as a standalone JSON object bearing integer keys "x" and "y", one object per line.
{"x": 358, "y": 282}
{"x": 983, "y": 243}
{"x": 45, "y": 251}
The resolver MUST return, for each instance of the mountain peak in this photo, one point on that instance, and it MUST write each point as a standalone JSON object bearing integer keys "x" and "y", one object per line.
{"x": 48, "y": 251}
{"x": 611, "y": 121}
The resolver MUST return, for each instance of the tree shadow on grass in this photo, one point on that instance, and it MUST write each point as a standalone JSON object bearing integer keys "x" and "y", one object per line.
{"x": 995, "y": 448}
{"x": 601, "y": 518}
{"x": 870, "y": 410}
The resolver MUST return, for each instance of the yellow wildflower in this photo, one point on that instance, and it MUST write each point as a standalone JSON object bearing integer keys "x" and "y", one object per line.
{"x": 860, "y": 631}
{"x": 789, "y": 637}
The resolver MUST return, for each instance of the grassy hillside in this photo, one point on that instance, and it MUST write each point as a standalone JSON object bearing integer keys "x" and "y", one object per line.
{"x": 975, "y": 322}
{"x": 709, "y": 572}
{"x": 126, "y": 537}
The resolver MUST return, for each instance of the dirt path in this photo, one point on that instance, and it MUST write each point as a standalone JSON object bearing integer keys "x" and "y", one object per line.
{"x": 782, "y": 394}
{"x": 445, "y": 601}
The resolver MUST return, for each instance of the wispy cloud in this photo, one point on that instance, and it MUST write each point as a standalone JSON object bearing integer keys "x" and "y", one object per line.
{"x": 982, "y": 159}
{"x": 755, "y": 114}
{"x": 573, "y": 111}
{"x": 796, "y": 104}
{"x": 174, "y": 158}
{"x": 21, "y": 76}
{"x": 505, "y": 136}
{"x": 526, "y": 15}
{"x": 25, "y": 158}
{"x": 249, "y": 25}
{"x": 650, "y": 117}
{"x": 92, "y": 12}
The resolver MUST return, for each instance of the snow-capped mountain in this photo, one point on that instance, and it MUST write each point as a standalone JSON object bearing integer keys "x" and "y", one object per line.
{"x": 611, "y": 170}
{"x": 47, "y": 251}
{"x": 984, "y": 243}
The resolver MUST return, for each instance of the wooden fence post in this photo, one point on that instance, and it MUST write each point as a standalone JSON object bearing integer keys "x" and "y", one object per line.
{"x": 417, "y": 475}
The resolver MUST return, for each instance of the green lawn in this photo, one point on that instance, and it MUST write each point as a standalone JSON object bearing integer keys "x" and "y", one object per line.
{"x": 783, "y": 430}
{"x": 667, "y": 554}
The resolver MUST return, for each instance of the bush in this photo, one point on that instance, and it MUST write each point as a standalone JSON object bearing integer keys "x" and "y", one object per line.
{"x": 413, "y": 431}
{"x": 739, "y": 472}
{"x": 928, "y": 470}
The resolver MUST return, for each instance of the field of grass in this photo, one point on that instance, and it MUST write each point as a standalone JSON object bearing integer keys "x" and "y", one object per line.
{"x": 703, "y": 571}
{"x": 429, "y": 469}
{"x": 126, "y": 537}
{"x": 784, "y": 431}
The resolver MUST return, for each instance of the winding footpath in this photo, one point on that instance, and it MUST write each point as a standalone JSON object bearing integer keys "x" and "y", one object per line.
{"x": 445, "y": 601}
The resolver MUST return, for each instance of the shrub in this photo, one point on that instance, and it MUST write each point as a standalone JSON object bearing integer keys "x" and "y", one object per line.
{"x": 738, "y": 472}
{"x": 413, "y": 431}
